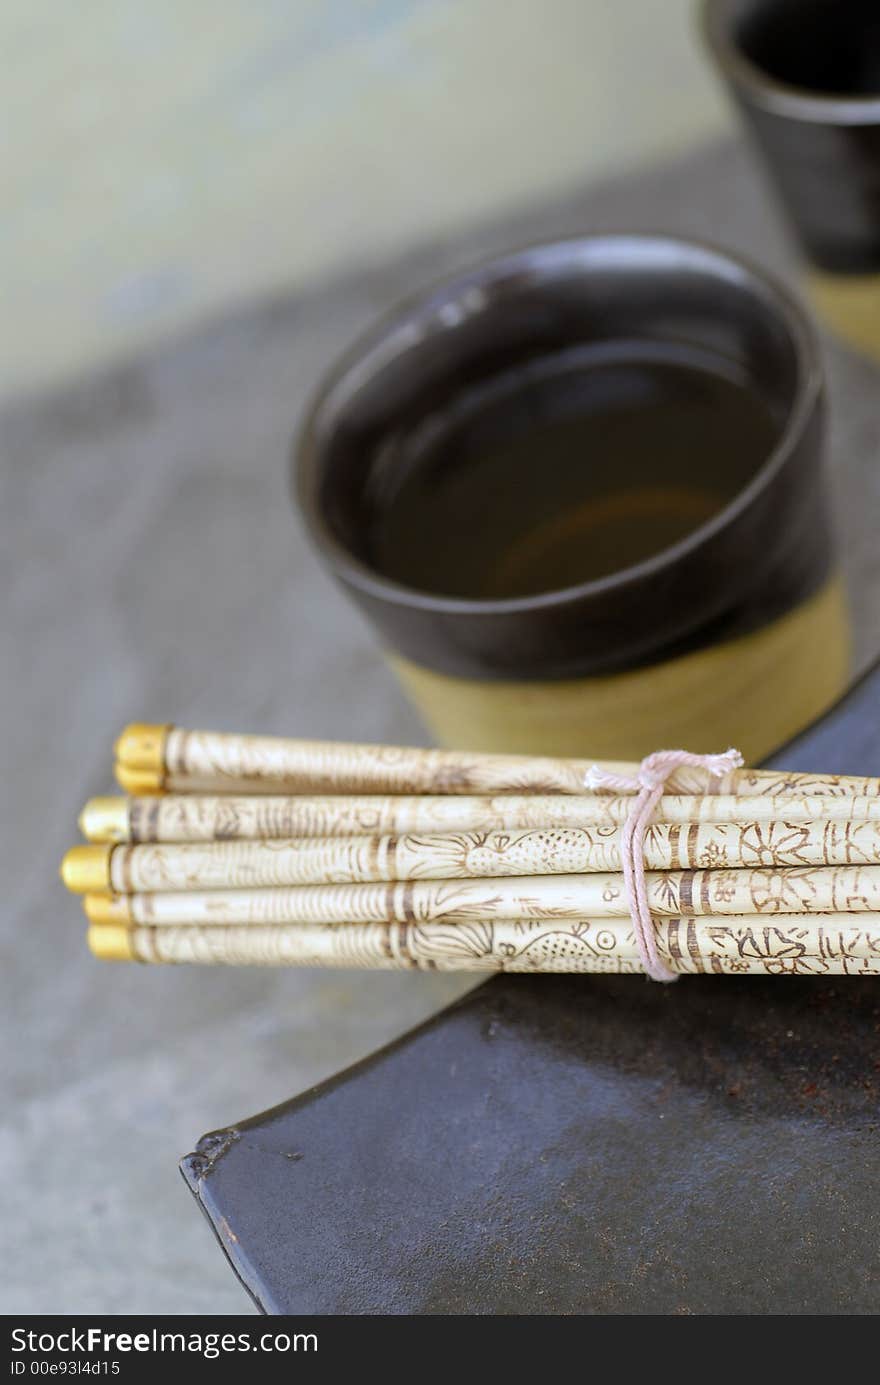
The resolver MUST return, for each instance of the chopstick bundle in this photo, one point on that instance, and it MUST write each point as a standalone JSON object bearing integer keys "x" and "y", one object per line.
{"x": 265, "y": 851}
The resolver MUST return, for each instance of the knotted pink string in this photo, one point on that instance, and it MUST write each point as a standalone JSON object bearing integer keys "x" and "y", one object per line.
{"x": 648, "y": 786}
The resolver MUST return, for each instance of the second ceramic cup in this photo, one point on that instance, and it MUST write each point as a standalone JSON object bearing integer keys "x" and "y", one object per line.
{"x": 805, "y": 75}
{"x": 579, "y": 493}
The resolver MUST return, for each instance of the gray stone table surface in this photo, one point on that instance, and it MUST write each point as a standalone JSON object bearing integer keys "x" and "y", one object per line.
{"x": 153, "y": 569}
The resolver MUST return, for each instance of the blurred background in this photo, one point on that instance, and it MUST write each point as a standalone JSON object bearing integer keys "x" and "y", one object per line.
{"x": 202, "y": 204}
{"x": 165, "y": 161}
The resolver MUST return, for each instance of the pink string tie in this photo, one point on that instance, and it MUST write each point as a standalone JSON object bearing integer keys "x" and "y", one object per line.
{"x": 648, "y": 786}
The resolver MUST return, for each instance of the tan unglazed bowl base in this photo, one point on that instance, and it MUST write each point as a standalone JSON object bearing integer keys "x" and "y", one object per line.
{"x": 849, "y": 304}
{"x": 753, "y": 692}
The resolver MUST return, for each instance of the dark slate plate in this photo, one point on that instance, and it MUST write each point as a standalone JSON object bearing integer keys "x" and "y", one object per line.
{"x": 582, "y": 1145}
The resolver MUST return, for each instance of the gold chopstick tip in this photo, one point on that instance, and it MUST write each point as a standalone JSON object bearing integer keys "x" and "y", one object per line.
{"x": 105, "y": 820}
{"x": 111, "y": 942}
{"x": 104, "y": 908}
{"x": 138, "y": 782}
{"x": 86, "y": 869}
{"x": 142, "y": 747}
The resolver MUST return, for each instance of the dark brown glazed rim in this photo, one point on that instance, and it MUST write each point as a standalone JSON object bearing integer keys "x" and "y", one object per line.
{"x": 548, "y": 635}
{"x": 718, "y": 18}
